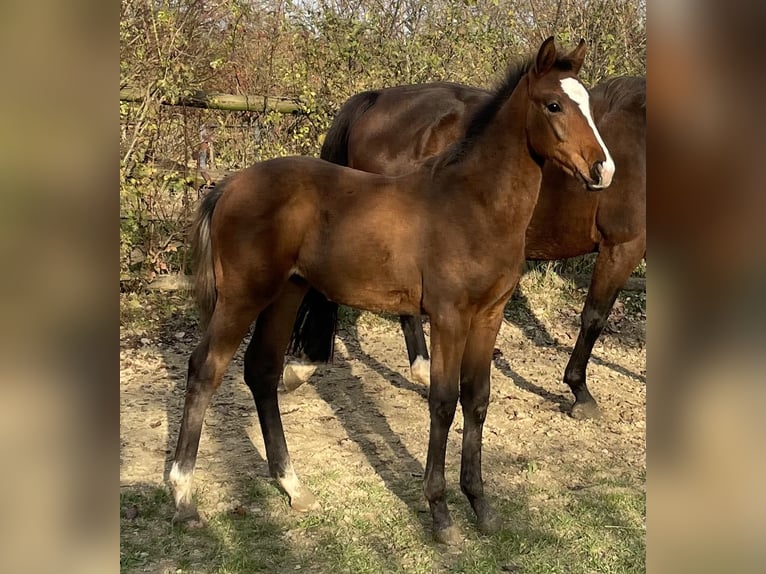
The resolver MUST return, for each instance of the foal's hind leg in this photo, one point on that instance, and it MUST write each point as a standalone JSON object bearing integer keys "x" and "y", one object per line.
{"x": 614, "y": 264}
{"x": 207, "y": 365}
{"x": 263, "y": 367}
{"x": 417, "y": 350}
{"x": 474, "y": 400}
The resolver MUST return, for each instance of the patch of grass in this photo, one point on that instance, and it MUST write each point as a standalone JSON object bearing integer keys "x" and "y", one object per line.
{"x": 597, "y": 526}
{"x": 229, "y": 543}
{"x": 640, "y": 270}
{"x": 348, "y": 316}
{"x": 372, "y": 531}
{"x": 581, "y": 265}
{"x": 634, "y": 303}
{"x": 599, "y": 529}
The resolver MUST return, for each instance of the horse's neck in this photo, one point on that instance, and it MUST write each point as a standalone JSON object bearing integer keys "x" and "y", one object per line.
{"x": 507, "y": 178}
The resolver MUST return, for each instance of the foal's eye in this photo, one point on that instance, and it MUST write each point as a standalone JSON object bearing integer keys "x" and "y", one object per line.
{"x": 554, "y": 107}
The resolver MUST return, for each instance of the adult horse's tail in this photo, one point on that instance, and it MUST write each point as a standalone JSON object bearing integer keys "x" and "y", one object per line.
{"x": 335, "y": 146}
{"x": 202, "y": 257}
{"x": 313, "y": 337}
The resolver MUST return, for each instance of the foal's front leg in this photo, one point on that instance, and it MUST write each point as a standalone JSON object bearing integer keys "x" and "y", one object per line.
{"x": 447, "y": 342}
{"x": 474, "y": 400}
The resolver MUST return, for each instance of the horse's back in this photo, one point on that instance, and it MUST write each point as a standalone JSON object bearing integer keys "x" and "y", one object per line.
{"x": 427, "y": 118}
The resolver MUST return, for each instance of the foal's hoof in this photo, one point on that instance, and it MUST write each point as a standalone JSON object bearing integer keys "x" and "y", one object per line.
{"x": 489, "y": 522}
{"x": 188, "y": 518}
{"x": 584, "y": 411}
{"x": 450, "y": 535}
{"x": 304, "y": 502}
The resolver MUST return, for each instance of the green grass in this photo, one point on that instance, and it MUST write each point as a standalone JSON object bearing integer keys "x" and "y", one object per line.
{"x": 227, "y": 544}
{"x": 597, "y": 528}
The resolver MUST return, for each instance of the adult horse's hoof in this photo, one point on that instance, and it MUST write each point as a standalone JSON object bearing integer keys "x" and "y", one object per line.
{"x": 304, "y": 501}
{"x": 188, "y": 518}
{"x": 420, "y": 371}
{"x": 450, "y": 535}
{"x": 295, "y": 374}
{"x": 586, "y": 410}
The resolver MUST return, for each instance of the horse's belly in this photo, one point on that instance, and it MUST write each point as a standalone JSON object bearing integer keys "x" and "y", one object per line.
{"x": 368, "y": 286}
{"x": 559, "y": 238}
{"x": 378, "y": 298}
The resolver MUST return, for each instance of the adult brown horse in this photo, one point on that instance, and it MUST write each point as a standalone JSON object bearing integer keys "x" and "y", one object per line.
{"x": 393, "y": 130}
{"x": 269, "y": 232}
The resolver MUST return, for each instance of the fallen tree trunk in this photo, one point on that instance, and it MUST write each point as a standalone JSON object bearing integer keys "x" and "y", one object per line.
{"x": 218, "y": 101}
{"x": 172, "y": 283}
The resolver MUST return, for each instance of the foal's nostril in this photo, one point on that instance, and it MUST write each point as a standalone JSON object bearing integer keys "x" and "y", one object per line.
{"x": 595, "y": 171}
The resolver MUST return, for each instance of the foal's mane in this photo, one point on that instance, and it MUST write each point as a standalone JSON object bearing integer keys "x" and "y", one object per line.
{"x": 484, "y": 115}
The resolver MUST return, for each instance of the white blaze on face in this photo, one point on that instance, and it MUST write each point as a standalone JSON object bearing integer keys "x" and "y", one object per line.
{"x": 577, "y": 92}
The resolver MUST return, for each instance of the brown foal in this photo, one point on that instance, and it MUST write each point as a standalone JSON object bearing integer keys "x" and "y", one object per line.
{"x": 446, "y": 240}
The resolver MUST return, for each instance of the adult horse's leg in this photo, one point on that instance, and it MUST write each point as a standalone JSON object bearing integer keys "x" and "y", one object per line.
{"x": 417, "y": 350}
{"x": 228, "y": 325}
{"x": 474, "y": 400}
{"x": 263, "y": 367}
{"x": 448, "y": 335}
{"x": 614, "y": 264}
{"x": 313, "y": 339}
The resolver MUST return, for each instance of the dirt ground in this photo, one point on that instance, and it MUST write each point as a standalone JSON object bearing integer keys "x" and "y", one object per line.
{"x": 364, "y": 417}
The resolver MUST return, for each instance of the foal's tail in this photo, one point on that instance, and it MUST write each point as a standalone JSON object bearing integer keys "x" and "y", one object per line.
{"x": 313, "y": 337}
{"x": 202, "y": 257}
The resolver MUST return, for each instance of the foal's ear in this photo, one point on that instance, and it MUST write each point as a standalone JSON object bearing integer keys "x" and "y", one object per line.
{"x": 577, "y": 56}
{"x": 546, "y": 57}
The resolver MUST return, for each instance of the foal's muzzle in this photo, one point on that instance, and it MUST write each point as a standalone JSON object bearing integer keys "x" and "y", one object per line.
{"x": 600, "y": 175}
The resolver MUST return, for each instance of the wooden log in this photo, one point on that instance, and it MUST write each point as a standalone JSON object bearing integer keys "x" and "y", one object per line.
{"x": 172, "y": 283}
{"x": 219, "y": 101}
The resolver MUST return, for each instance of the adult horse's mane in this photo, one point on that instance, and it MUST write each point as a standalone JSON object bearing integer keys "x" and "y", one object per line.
{"x": 483, "y": 116}
{"x": 620, "y": 93}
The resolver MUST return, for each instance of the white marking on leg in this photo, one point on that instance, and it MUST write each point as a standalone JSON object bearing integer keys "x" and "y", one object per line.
{"x": 421, "y": 370}
{"x": 295, "y": 374}
{"x": 291, "y": 483}
{"x": 181, "y": 482}
{"x": 575, "y": 90}
{"x": 301, "y": 498}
